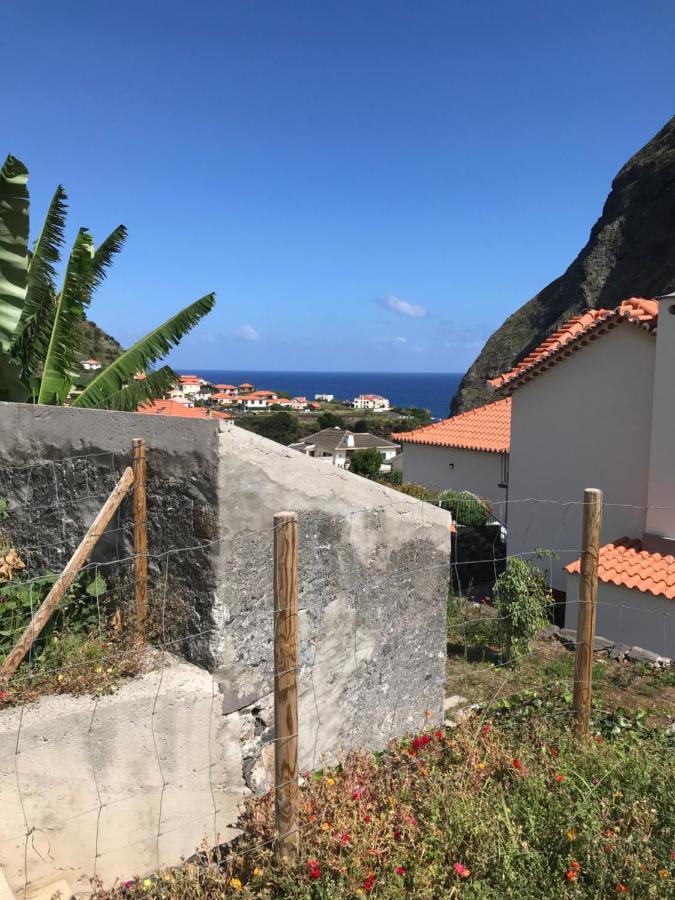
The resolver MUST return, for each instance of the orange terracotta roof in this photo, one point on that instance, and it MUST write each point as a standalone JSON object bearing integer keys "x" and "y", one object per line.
{"x": 626, "y": 564}
{"x": 226, "y": 387}
{"x": 220, "y": 395}
{"x": 485, "y": 428}
{"x": 576, "y": 333}
{"x": 173, "y": 408}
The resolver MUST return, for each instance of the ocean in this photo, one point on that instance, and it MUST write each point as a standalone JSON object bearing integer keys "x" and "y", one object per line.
{"x": 430, "y": 390}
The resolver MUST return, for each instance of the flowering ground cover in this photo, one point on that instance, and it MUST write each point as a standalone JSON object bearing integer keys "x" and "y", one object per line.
{"x": 504, "y": 805}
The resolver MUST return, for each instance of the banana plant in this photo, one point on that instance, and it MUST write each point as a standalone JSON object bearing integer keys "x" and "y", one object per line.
{"x": 39, "y": 337}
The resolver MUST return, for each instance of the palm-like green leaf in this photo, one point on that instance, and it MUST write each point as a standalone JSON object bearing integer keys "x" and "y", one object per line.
{"x": 153, "y": 387}
{"x": 11, "y": 387}
{"x": 13, "y": 246}
{"x": 105, "y": 253}
{"x": 37, "y": 317}
{"x": 71, "y": 303}
{"x": 143, "y": 354}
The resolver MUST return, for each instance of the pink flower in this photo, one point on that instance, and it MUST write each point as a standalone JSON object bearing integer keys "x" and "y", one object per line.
{"x": 462, "y": 870}
{"x": 356, "y": 795}
{"x": 366, "y": 819}
{"x": 344, "y": 838}
{"x": 560, "y": 778}
{"x": 400, "y": 870}
{"x": 516, "y": 763}
{"x": 485, "y": 729}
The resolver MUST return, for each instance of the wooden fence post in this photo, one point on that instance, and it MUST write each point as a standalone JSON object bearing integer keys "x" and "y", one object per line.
{"x": 66, "y": 578}
{"x": 588, "y": 595}
{"x": 286, "y": 795}
{"x": 140, "y": 536}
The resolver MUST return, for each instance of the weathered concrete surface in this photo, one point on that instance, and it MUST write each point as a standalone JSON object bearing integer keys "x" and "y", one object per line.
{"x": 118, "y": 785}
{"x": 374, "y": 567}
{"x": 57, "y": 467}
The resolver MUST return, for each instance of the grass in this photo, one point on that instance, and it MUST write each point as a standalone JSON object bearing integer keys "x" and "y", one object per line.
{"x": 476, "y": 670}
{"x": 505, "y": 805}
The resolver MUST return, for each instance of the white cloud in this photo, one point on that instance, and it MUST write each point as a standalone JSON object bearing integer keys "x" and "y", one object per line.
{"x": 414, "y": 310}
{"x": 247, "y": 333}
{"x": 400, "y": 340}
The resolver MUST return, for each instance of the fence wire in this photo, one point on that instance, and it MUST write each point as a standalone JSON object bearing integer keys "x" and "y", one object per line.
{"x": 90, "y": 649}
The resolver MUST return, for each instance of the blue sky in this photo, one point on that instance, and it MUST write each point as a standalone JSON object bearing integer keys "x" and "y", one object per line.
{"x": 366, "y": 185}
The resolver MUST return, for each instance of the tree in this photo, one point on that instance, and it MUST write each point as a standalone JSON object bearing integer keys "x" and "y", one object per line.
{"x": 40, "y": 326}
{"x": 281, "y": 427}
{"x": 330, "y": 420}
{"x": 360, "y": 426}
{"x": 366, "y": 462}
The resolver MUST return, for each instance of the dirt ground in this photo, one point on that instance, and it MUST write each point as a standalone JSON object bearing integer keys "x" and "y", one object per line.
{"x": 478, "y": 674}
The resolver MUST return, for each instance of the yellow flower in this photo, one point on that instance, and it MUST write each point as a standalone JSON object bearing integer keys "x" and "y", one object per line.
{"x": 359, "y": 892}
{"x": 391, "y": 801}
{"x": 257, "y": 872}
{"x": 481, "y": 765}
{"x": 664, "y": 873}
{"x": 325, "y": 826}
{"x": 98, "y": 670}
{"x": 619, "y": 794}
{"x": 429, "y": 714}
{"x": 60, "y": 678}
{"x": 235, "y": 883}
{"x": 330, "y": 781}
{"x": 617, "y": 829}
{"x": 424, "y": 772}
{"x": 572, "y": 834}
{"x": 147, "y": 883}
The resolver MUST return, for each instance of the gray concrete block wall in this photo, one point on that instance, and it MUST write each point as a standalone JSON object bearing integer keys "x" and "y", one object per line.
{"x": 374, "y": 568}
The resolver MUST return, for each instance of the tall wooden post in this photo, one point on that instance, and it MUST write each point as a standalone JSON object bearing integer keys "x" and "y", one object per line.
{"x": 588, "y": 595}
{"x": 286, "y": 796}
{"x": 140, "y": 536}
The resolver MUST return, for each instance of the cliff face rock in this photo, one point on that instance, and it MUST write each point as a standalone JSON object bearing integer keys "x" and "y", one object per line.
{"x": 630, "y": 252}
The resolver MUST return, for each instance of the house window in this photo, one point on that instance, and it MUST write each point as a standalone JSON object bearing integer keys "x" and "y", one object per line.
{"x": 504, "y": 479}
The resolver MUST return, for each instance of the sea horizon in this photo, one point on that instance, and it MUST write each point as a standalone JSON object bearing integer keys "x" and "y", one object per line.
{"x": 431, "y": 390}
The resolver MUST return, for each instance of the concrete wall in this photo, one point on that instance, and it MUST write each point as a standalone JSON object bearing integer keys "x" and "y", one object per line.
{"x": 374, "y": 568}
{"x": 586, "y": 422}
{"x": 448, "y": 468}
{"x": 627, "y": 616}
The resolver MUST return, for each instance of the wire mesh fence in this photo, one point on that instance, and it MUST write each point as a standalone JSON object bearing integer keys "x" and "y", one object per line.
{"x": 190, "y": 748}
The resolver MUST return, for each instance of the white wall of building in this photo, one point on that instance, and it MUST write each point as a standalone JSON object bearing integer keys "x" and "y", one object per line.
{"x": 586, "y": 422}
{"x": 627, "y": 616}
{"x": 661, "y": 514}
{"x": 452, "y": 469}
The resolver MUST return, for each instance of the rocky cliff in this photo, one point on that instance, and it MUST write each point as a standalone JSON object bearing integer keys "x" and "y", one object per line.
{"x": 630, "y": 252}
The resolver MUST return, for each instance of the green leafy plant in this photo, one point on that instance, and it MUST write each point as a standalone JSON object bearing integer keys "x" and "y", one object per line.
{"x": 40, "y": 333}
{"x": 366, "y": 462}
{"x": 78, "y": 612}
{"x": 466, "y": 508}
{"x": 523, "y": 601}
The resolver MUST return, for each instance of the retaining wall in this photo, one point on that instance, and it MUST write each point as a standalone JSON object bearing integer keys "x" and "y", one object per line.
{"x": 374, "y": 568}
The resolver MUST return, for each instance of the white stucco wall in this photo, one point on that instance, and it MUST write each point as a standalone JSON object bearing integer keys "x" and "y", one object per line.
{"x": 661, "y": 515}
{"x": 584, "y": 423}
{"x": 627, "y": 616}
{"x": 472, "y": 470}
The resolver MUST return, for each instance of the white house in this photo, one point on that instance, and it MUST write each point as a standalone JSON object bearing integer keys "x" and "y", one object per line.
{"x": 337, "y": 446}
{"x": 91, "y": 365}
{"x": 370, "y": 401}
{"x": 327, "y": 398}
{"x": 299, "y": 403}
{"x": 594, "y": 406}
{"x": 468, "y": 452}
{"x": 255, "y": 400}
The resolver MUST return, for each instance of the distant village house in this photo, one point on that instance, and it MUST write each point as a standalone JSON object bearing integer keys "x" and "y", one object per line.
{"x": 371, "y": 401}
{"x": 336, "y": 445}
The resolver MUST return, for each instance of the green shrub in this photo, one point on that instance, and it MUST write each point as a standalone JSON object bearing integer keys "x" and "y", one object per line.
{"x": 466, "y": 508}
{"x": 523, "y": 601}
{"x": 366, "y": 462}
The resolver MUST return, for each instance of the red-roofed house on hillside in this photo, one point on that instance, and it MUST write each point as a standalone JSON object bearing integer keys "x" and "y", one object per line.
{"x": 175, "y": 408}
{"x": 469, "y": 452}
{"x": 594, "y": 406}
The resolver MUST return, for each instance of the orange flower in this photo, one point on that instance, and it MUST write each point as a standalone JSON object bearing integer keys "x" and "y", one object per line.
{"x": 621, "y": 888}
